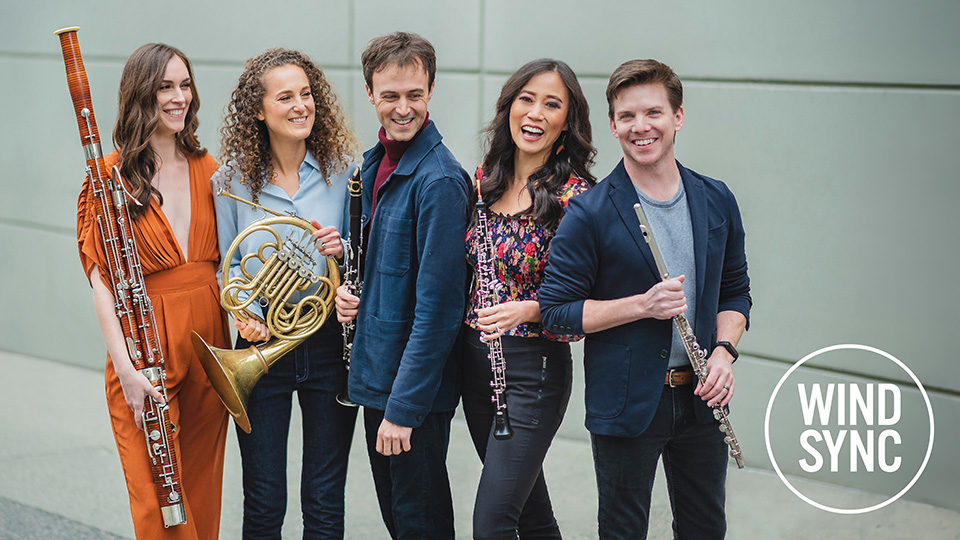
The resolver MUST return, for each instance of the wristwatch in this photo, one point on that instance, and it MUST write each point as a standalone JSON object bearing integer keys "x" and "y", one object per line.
{"x": 730, "y": 349}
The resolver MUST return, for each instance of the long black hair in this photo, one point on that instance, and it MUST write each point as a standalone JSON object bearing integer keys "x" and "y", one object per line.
{"x": 575, "y": 157}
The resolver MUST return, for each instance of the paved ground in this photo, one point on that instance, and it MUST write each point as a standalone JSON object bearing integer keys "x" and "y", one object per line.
{"x": 60, "y": 479}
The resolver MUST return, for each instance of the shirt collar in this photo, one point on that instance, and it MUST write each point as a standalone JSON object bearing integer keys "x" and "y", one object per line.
{"x": 311, "y": 161}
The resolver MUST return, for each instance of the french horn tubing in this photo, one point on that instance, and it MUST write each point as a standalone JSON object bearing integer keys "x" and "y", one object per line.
{"x": 287, "y": 269}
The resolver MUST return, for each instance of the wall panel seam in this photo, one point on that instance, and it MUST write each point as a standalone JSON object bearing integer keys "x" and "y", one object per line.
{"x": 930, "y": 388}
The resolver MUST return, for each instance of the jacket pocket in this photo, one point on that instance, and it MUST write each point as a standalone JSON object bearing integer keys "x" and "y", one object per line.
{"x": 607, "y": 375}
{"x": 394, "y": 257}
{"x": 383, "y": 347}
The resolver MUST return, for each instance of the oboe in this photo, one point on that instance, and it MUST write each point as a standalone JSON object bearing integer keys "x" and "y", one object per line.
{"x": 353, "y": 273}
{"x": 697, "y": 356}
{"x": 133, "y": 307}
{"x": 486, "y": 290}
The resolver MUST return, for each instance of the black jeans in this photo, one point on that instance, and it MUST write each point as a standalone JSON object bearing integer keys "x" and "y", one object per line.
{"x": 316, "y": 372}
{"x": 694, "y": 462}
{"x": 413, "y": 488}
{"x": 512, "y": 496}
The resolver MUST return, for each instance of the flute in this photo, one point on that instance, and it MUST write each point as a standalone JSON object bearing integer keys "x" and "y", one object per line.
{"x": 697, "y": 356}
{"x": 133, "y": 306}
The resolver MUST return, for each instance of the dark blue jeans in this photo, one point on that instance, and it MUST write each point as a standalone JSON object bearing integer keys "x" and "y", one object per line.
{"x": 413, "y": 488}
{"x": 316, "y": 372}
{"x": 694, "y": 463}
{"x": 512, "y": 496}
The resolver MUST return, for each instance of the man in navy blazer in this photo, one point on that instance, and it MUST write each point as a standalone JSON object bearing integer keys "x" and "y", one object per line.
{"x": 642, "y": 399}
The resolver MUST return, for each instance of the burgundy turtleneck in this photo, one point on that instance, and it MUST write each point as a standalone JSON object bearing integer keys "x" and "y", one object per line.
{"x": 393, "y": 151}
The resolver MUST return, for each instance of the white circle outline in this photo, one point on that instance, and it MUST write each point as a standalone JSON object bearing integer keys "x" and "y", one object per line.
{"x": 766, "y": 429}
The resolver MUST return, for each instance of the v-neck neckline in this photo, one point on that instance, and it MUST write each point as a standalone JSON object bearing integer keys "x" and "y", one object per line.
{"x": 184, "y": 255}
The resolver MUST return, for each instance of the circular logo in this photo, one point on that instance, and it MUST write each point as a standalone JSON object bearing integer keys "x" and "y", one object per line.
{"x": 840, "y": 420}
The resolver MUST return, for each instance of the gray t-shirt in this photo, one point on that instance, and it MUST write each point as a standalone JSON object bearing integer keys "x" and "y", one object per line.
{"x": 673, "y": 232}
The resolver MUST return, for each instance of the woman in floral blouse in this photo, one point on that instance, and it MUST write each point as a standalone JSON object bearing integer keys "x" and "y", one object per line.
{"x": 538, "y": 156}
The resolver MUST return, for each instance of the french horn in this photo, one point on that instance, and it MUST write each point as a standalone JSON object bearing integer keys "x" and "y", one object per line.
{"x": 287, "y": 269}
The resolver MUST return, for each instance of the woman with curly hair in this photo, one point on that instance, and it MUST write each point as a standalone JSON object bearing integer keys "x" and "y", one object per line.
{"x": 168, "y": 172}
{"x": 538, "y": 157}
{"x": 286, "y": 145}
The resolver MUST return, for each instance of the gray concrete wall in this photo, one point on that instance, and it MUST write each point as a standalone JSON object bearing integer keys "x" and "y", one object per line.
{"x": 833, "y": 122}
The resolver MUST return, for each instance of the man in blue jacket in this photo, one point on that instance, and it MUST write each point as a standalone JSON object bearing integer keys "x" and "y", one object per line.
{"x": 402, "y": 369}
{"x": 642, "y": 399}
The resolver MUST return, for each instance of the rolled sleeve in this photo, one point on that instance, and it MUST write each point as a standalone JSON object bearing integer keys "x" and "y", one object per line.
{"x": 734, "y": 281}
{"x": 570, "y": 276}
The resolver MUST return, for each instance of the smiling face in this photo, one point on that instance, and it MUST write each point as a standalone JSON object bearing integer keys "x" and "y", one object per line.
{"x": 400, "y": 95}
{"x": 287, "y": 109}
{"x": 538, "y": 115}
{"x": 174, "y": 97}
{"x": 646, "y": 125}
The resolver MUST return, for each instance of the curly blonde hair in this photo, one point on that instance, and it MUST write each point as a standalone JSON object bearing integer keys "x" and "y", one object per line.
{"x": 245, "y": 141}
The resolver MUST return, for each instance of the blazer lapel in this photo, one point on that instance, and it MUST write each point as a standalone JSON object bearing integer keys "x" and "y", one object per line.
{"x": 624, "y": 196}
{"x": 697, "y": 201}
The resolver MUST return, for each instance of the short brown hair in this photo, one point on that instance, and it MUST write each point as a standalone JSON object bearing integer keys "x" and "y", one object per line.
{"x": 399, "y": 48}
{"x": 636, "y": 72}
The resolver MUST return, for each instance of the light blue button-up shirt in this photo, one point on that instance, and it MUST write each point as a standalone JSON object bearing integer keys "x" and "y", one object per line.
{"x": 314, "y": 200}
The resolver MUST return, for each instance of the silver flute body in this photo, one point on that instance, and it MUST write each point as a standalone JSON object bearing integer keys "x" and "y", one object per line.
{"x": 697, "y": 356}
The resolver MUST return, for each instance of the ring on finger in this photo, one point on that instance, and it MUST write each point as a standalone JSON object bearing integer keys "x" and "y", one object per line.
{"x": 323, "y": 245}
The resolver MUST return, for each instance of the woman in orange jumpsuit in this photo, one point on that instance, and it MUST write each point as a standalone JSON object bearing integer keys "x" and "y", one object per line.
{"x": 165, "y": 168}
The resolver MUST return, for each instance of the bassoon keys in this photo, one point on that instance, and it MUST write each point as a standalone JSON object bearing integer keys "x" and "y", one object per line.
{"x": 133, "y": 307}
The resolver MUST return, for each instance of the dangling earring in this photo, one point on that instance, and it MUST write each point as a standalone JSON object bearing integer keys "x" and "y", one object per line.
{"x": 563, "y": 137}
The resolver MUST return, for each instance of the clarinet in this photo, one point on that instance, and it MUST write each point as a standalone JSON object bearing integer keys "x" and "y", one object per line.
{"x": 697, "y": 356}
{"x": 353, "y": 273}
{"x": 133, "y": 306}
{"x": 487, "y": 291}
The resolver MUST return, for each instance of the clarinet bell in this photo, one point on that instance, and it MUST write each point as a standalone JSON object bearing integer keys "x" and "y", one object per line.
{"x": 343, "y": 398}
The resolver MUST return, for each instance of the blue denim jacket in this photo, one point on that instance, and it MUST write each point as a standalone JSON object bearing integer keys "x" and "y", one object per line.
{"x": 414, "y": 290}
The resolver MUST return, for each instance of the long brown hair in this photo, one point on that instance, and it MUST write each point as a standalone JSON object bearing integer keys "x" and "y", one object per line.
{"x": 245, "y": 141}
{"x": 138, "y": 116}
{"x": 575, "y": 157}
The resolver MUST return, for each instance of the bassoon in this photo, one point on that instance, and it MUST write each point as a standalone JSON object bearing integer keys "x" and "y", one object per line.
{"x": 696, "y": 355}
{"x": 133, "y": 306}
{"x": 487, "y": 292}
{"x": 353, "y": 270}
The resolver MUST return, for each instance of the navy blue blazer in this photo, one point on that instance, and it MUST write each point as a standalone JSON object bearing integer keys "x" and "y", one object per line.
{"x": 599, "y": 253}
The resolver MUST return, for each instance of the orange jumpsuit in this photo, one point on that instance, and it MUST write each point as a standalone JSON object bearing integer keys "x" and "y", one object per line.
{"x": 185, "y": 298}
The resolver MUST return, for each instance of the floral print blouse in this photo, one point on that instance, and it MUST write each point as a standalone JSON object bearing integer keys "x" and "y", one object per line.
{"x": 521, "y": 246}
